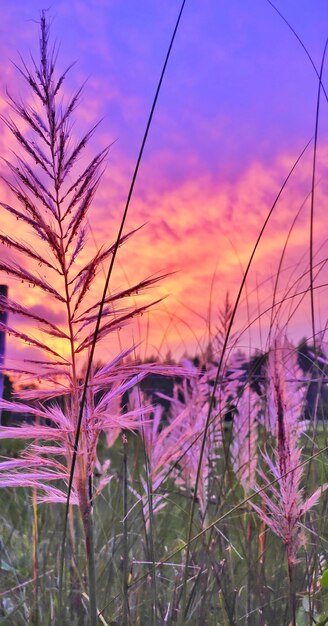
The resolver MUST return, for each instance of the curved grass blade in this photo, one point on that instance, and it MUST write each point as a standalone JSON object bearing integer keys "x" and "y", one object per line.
{"x": 216, "y": 381}
{"x": 319, "y": 75}
{"x": 313, "y": 185}
{"x": 201, "y": 533}
{"x": 109, "y": 273}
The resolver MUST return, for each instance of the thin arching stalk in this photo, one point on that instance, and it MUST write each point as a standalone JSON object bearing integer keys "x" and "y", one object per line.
{"x": 90, "y": 550}
{"x": 151, "y": 524}
{"x": 212, "y": 400}
{"x": 35, "y": 529}
{"x": 169, "y": 557}
{"x": 125, "y": 532}
{"x": 54, "y": 205}
{"x": 105, "y": 290}
{"x": 319, "y": 75}
{"x": 291, "y": 594}
{"x": 316, "y": 130}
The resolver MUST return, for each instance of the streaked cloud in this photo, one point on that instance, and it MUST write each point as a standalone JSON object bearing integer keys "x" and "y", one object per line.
{"x": 233, "y": 116}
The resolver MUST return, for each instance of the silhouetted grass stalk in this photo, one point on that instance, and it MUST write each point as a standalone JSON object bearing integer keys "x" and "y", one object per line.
{"x": 35, "y": 613}
{"x": 216, "y": 381}
{"x": 125, "y": 555}
{"x": 316, "y": 131}
{"x": 264, "y": 488}
{"x": 57, "y": 214}
{"x": 150, "y": 533}
{"x": 106, "y": 286}
{"x": 182, "y": 448}
{"x": 90, "y": 550}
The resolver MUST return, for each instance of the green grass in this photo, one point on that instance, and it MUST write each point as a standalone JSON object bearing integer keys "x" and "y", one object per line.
{"x": 227, "y": 577}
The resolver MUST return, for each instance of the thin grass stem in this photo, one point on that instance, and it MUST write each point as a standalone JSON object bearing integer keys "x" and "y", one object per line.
{"x": 90, "y": 551}
{"x": 201, "y": 533}
{"x": 316, "y": 131}
{"x": 212, "y": 399}
{"x": 125, "y": 532}
{"x": 105, "y": 290}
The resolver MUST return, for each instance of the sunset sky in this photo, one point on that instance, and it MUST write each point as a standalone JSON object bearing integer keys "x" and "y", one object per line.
{"x": 237, "y": 107}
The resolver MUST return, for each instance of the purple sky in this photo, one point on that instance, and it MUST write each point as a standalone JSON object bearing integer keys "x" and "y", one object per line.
{"x": 239, "y": 85}
{"x": 236, "y": 109}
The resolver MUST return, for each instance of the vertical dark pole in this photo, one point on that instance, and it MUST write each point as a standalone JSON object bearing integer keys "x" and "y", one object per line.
{"x": 3, "y": 320}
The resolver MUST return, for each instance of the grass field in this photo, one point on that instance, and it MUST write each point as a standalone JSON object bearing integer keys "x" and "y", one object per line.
{"x": 114, "y": 509}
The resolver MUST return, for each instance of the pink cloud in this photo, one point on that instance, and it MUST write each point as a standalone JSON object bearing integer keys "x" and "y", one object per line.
{"x": 198, "y": 219}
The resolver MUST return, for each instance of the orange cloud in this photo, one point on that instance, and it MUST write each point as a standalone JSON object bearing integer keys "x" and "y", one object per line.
{"x": 197, "y": 226}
